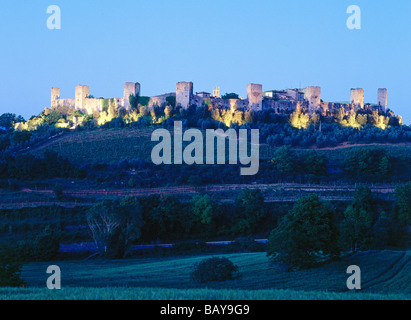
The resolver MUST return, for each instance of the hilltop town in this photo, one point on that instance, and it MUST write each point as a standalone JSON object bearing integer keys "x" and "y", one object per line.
{"x": 281, "y": 101}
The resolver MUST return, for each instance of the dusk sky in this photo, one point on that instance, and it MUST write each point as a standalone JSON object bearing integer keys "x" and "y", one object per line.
{"x": 225, "y": 43}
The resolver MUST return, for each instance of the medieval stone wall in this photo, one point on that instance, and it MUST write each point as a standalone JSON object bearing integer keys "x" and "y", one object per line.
{"x": 160, "y": 100}
{"x": 308, "y": 99}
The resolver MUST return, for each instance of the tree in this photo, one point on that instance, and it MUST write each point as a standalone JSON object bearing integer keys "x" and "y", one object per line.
{"x": 10, "y": 268}
{"x": 299, "y": 119}
{"x": 8, "y": 120}
{"x": 284, "y": 159}
{"x": 133, "y": 99}
{"x": 171, "y": 101}
{"x": 144, "y": 101}
{"x": 367, "y": 163}
{"x": 356, "y": 228}
{"x": 250, "y": 211}
{"x": 131, "y": 222}
{"x": 165, "y": 218}
{"x": 46, "y": 245}
{"x": 315, "y": 163}
{"x": 306, "y": 236}
{"x": 403, "y": 203}
{"x": 203, "y": 208}
{"x": 362, "y": 119}
{"x": 230, "y": 96}
{"x": 115, "y": 225}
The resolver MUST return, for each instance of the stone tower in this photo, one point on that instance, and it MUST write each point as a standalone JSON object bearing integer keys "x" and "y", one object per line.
{"x": 382, "y": 99}
{"x": 82, "y": 92}
{"x": 216, "y": 92}
{"x": 255, "y": 96}
{"x": 184, "y": 94}
{"x": 55, "y": 95}
{"x": 313, "y": 96}
{"x": 357, "y": 98}
{"x": 130, "y": 89}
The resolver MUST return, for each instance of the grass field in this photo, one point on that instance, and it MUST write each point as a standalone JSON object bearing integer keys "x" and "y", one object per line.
{"x": 385, "y": 274}
{"x": 190, "y": 294}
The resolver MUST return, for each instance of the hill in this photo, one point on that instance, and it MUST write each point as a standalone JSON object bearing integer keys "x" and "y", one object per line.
{"x": 114, "y": 145}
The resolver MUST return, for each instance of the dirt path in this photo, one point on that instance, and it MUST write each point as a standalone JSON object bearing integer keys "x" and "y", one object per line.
{"x": 226, "y": 194}
{"x": 36, "y": 204}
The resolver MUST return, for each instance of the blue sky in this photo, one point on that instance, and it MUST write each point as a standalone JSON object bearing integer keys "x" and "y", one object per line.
{"x": 229, "y": 43}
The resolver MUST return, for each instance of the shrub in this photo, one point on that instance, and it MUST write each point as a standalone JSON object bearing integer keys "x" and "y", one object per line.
{"x": 45, "y": 246}
{"x": 10, "y": 268}
{"x": 214, "y": 269}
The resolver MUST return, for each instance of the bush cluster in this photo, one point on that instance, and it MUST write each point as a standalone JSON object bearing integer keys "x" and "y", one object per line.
{"x": 214, "y": 269}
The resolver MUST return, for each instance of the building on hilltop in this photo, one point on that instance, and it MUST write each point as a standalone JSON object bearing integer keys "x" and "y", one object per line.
{"x": 86, "y": 104}
{"x": 281, "y": 101}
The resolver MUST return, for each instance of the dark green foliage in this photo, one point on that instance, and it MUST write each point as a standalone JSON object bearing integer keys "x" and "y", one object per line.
{"x": 284, "y": 159}
{"x": 171, "y": 101}
{"x": 403, "y": 203}
{"x": 143, "y": 101}
{"x": 46, "y": 245}
{"x": 28, "y": 167}
{"x": 134, "y": 101}
{"x": 250, "y": 211}
{"x": 43, "y": 246}
{"x": 165, "y": 218}
{"x": 203, "y": 207}
{"x": 10, "y": 268}
{"x": 7, "y": 120}
{"x": 306, "y": 236}
{"x": 52, "y": 118}
{"x": 20, "y": 137}
{"x": 381, "y": 232}
{"x": 214, "y": 269}
{"x": 230, "y": 96}
{"x": 115, "y": 226}
{"x": 315, "y": 163}
{"x": 368, "y": 163}
{"x": 356, "y": 228}
{"x": 4, "y": 141}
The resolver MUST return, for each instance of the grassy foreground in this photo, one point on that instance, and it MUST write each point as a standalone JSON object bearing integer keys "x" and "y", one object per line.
{"x": 179, "y": 294}
{"x": 385, "y": 275}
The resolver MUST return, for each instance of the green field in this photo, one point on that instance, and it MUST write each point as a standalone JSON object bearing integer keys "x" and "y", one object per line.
{"x": 190, "y": 294}
{"x": 385, "y": 274}
{"x": 114, "y": 145}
